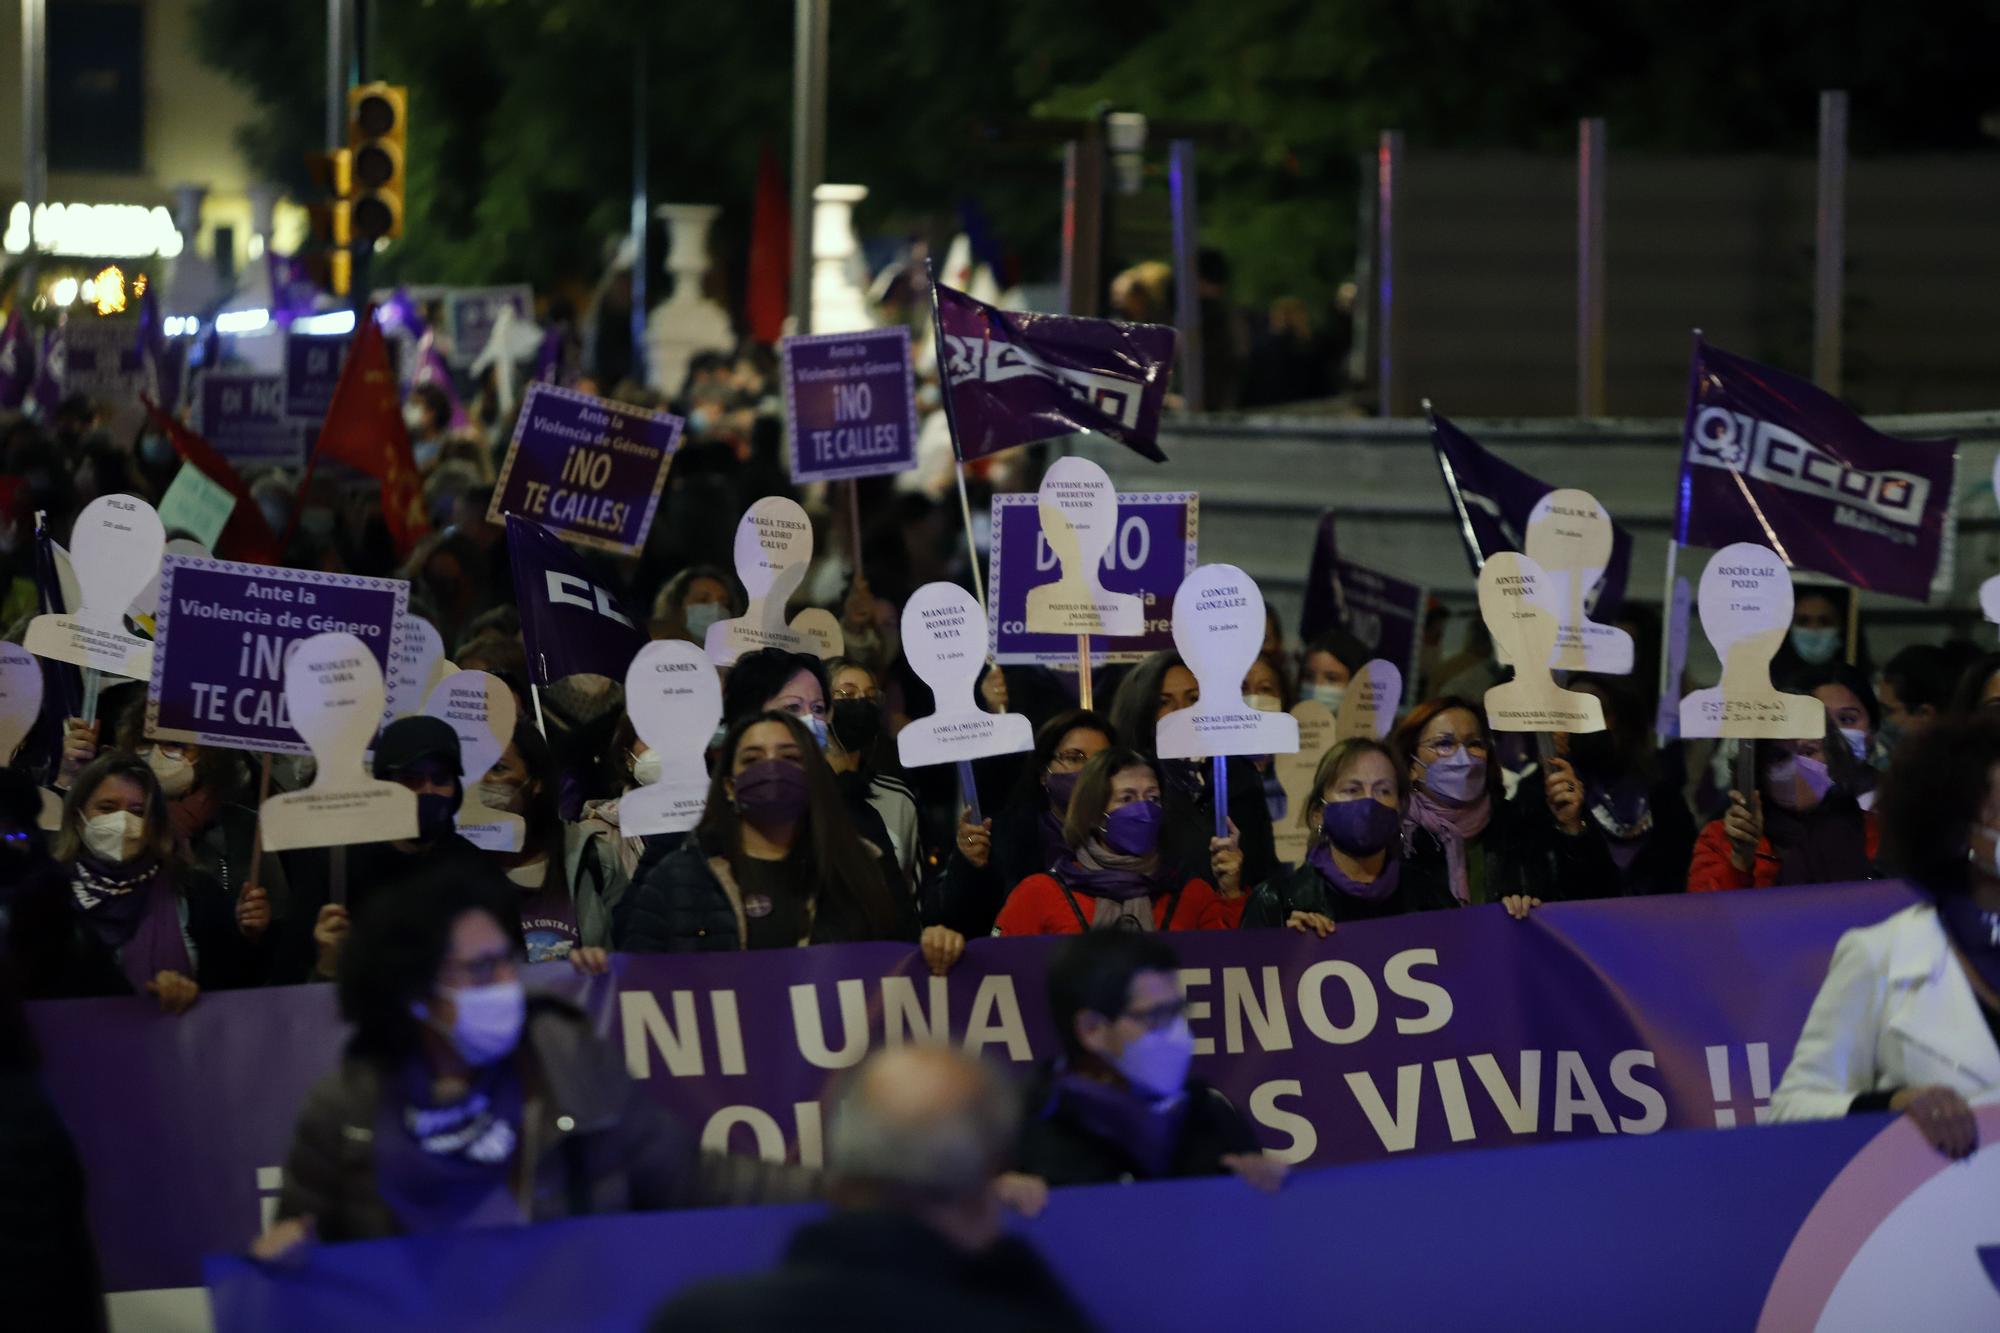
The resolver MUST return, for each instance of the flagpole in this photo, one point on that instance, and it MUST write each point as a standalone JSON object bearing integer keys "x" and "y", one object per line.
{"x": 951, "y": 424}
{"x": 1084, "y": 698}
{"x": 1666, "y": 641}
{"x": 1465, "y": 531}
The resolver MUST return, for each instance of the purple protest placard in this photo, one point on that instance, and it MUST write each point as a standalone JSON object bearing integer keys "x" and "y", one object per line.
{"x": 1415, "y": 1034}
{"x": 221, "y": 640}
{"x": 1154, "y": 549}
{"x": 312, "y": 369}
{"x": 471, "y": 312}
{"x": 850, "y": 404}
{"x": 244, "y": 417}
{"x": 588, "y": 469}
{"x": 1772, "y": 459}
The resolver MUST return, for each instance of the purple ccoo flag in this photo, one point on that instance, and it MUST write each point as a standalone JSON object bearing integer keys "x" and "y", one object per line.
{"x": 17, "y": 362}
{"x": 51, "y": 374}
{"x": 1013, "y": 379}
{"x": 570, "y": 620}
{"x": 431, "y": 369}
{"x": 1769, "y": 458}
{"x": 1493, "y": 501}
{"x": 161, "y": 360}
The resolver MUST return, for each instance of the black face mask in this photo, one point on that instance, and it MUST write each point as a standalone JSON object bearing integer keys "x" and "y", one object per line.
{"x": 856, "y": 724}
{"x": 1597, "y": 754}
{"x": 435, "y": 814}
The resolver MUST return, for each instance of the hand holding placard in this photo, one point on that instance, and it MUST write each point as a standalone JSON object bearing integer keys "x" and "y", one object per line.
{"x": 674, "y": 698}
{"x": 774, "y": 545}
{"x": 1746, "y": 611}
{"x": 1295, "y": 772}
{"x": 944, "y": 639}
{"x": 1513, "y": 601}
{"x": 480, "y": 707}
{"x": 334, "y": 695}
{"x": 1569, "y": 536}
{"x": 1219, "y": 628}
{"x": 1079, "y": 513}
{"x": 1369, "y": 708}
{"x": 115, "y": 549}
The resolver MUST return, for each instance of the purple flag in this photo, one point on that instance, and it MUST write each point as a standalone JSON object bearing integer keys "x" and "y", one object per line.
{"x": 549, "y": 357}
{"x": 570, "y": 620}
{"x": 51, "y": 374}
{"x": 1493, "y": 500}
{"x": 399, "y": 314}
{"x": 161, "y": 359}
{"x": 17, "y": 362}
{"x": 431, "y": 369}
{"x": 1770, "y": 458}
{"x": 1385, "y": 614}
{"x": 1015, "y": 379}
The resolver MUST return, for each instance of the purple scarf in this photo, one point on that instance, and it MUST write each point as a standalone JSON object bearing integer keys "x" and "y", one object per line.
{"x": 1103, "y": 873}
{"x": 1146, "y": 1131}
{"x": 133, "y": 911}
{"x": 1320, "y": 858}
{"x": 1975, "y": 931}
{"x": 1451, "y": 825}
{"x": 448, "y": 1168}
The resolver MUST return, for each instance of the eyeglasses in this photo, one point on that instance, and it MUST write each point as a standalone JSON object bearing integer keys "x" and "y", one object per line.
{"x": 1162, "y": 1015}
{"x": 485, "y": 971}
{"x": 1446, "y": 746}
{"x": 872, "y": 695}
{"x": 1069, "y": 759}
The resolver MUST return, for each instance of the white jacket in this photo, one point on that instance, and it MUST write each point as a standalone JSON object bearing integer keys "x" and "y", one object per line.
{"x": 1895, "y": 1012}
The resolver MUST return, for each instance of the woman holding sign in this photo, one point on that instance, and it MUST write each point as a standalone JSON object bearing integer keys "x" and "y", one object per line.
{"x": 773, "y": 864}
{"x": 1115, "y": 872}
{"x": 1354, "y": 861}
{"x": 164, "y": 929}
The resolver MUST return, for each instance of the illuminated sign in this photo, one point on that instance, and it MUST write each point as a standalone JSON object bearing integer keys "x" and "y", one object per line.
{"x": 108, "y": 231}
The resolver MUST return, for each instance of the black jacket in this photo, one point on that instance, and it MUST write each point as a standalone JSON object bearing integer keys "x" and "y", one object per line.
{"x": 370, "y": 868}
{"x": 1304, "y": 889}
{"x": 48, "y": 1261}
{"x": 1662, "y": 863}
{"x": 1190, "y": 821}
{"x": 887, "y": 1273}
{"x": 685, "y": 901}
{"x": 968, "y": 898}
{"x": 73, "y": 963}
{"x": 1059, "y": 1148}
{"x": 1524, "y": 853}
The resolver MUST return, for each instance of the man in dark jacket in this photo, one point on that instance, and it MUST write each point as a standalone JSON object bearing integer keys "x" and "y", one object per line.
{"x": 1120, "y": 1106}
{"x": 914, "y": 1157}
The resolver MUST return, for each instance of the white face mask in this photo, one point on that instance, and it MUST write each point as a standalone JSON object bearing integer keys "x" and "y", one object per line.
{"x": 488, "y": 1026}
{"x": 498, "y": 796}
{"x": 175, "y": 773}
{"x": 646, "y": 768}
{"x": 700, "y": 615}
{"x": 1330, "y": 695}
{"x": 1157, "y": 1063}
{"x": 117, "y": 836}
{"x": 1265, "y": 703}
{"x": 1857, "y": 741}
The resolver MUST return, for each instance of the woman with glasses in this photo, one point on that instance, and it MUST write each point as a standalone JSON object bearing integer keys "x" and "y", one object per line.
{"x": 1024, "y": 837}
{"x": 1464, "y": 843}
{"x": 460, "y": 1103}
{"x": 1114, "y": 871}
{"x": 858, "y": 752}
{"x": 1119, "y": 1104}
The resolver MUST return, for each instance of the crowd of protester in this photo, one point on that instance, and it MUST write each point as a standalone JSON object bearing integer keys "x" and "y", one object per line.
{"x": 153, "y": 884}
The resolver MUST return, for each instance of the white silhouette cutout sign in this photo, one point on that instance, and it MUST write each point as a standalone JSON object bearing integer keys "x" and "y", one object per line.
{"x": 115, "y": 549}
{"x": 774, "y": 545}
{"x": 674, "y": 698}
{"x": 334, "y": 696}
{"x": 1989, "y": 591}
{"x": 1219, "y": 628}
{"x": 1369, "y": 707}
{"x": 1513, "y": 601}
{"x": 481, "y": 709}
{"x": 1079, "y": 513}
{"x": 944, "y": 638}
{"x": 1295, "y": 772}
{"x": 1569, "y": 536}
{"x": 416, "y": 669}
{"x": 1746, "y": 611}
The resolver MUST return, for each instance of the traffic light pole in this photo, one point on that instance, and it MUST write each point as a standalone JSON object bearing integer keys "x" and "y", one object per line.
{"x": 808, "y": 146}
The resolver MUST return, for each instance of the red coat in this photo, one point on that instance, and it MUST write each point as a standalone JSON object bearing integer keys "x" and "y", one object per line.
{"x": 1712, "y": 871}
{"x": 1038, "y": 906}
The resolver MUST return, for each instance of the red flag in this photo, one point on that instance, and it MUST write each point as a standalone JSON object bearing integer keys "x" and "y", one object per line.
{"x": 769, "y": 291}
{"x": 364, "y": 429}
{"x": 246, "y": 537}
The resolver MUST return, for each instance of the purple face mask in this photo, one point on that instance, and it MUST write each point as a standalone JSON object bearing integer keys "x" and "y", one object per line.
{"x": 1360, "y": 828}
{"x": 772, "y": 792}
{"x": 1134, "y": 830}
{"x": 1457, "y": 777}
{"x": 1785, "y": 776}
{"x": 1060, "y": 787}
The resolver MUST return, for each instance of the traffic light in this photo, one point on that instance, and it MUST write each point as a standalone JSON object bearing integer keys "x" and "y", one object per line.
{"x": 329, "y": 256}
{"x": 376, "y": 127}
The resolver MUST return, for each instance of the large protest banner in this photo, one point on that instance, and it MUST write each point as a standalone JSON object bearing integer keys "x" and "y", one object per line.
{"x": 1153, "y": 550}
{"x": 588, "y": 469}
{"x": 1414, "y": 1034}
{"x": 244, "y": 417}
{"x": 850, "y": 404}
{"x": 1846, "y": 1224}
{"x": 222, "y": 636}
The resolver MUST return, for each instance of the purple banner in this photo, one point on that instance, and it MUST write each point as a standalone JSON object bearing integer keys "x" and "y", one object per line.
{"x": 1851, "y": 1223}
{"x": 312, "y": 369}
{"x": 1415, "y": 1034}
{"x": 1018, "y": 378}
{"x": 1153, "y": 551}
{"x": 244, "y": 417}
{"x": 1493, "y": 500}
{"x": 1772, "y": 459}
{"x": 850, "y": 404}
{"x": 221, "y": 641}
{"x": 569, "y": 622}
{"x": 588, "y": 469}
